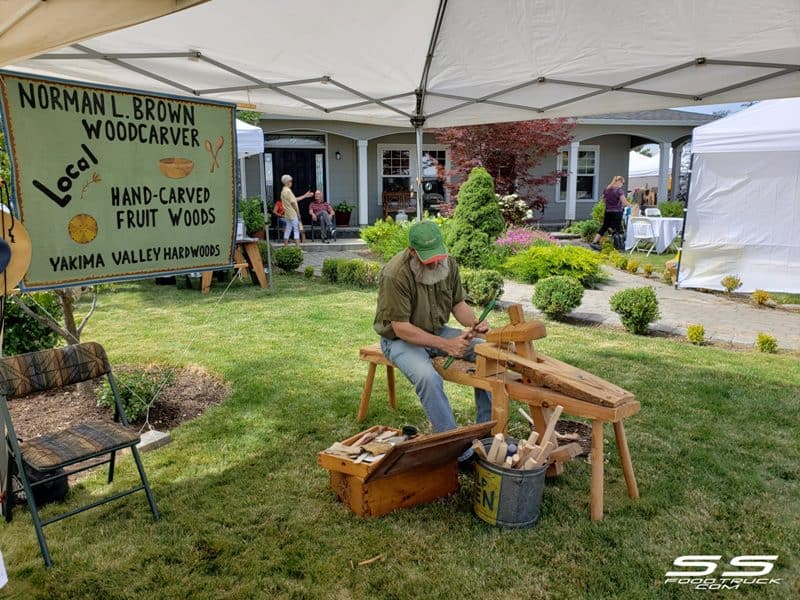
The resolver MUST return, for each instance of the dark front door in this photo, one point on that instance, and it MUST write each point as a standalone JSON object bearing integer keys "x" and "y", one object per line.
{"x": 302, "y": 166}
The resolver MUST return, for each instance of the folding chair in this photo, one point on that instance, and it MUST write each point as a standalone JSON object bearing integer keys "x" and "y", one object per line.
{"x": 643, "y": 231}
{"x": 71, "y": 448}
{"x": 652, "y": 212}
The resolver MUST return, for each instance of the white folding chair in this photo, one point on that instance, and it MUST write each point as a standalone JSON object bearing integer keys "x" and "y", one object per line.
{"x": 643, "y": 231}
{"x": 652, "y": 212}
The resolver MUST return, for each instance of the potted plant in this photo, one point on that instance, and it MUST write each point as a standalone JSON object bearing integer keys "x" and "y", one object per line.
{"x": 253, "y": 217}
{"x": 342, "y": 211}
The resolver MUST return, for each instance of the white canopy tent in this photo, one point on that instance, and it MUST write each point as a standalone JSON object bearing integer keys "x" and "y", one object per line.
{"x": 743, "y": 214}
{"x": 428, "y": 63}
{"x": 30, "y": 27}
{"x": 249, "y": 139}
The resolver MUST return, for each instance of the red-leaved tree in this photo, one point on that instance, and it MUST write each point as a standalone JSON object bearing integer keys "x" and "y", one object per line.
{"x": 510, "y": 152}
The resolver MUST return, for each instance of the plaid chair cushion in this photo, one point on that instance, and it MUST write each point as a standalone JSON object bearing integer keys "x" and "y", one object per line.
{"x": 82, "y": 441}
{"x": 47, "y": 369}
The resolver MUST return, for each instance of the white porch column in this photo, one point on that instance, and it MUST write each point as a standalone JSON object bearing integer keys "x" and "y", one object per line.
{"x": 676, "y": 171}
{"x": 572, "y": 181}
{"x": 663, "y": 170}
{"x": 363, "y": 197}
{"x": 243, "y": 177}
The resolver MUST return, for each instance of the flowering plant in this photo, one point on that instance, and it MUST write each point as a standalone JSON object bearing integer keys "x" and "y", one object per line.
{"x": 514, "y": 209}
{"x": 516, "y": 239}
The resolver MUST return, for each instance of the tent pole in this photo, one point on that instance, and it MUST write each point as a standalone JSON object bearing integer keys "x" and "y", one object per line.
{"x": 418, "y": 187}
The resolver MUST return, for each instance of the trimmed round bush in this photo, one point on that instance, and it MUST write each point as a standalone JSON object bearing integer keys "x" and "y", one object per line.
{"x": 636, "y": 307}
{"x": 288, "y": 258}
{"x": 557, "y": 296}
{"x": 482, "y": 285}
{"x": 766, "y": 343}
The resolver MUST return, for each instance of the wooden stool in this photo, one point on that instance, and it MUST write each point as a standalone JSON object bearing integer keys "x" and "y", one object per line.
{"x": 251, "y": 258}
{"x": 374, "y": 356}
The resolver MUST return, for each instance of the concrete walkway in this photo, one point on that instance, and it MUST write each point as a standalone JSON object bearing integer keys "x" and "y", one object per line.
{"x": 724, "y": 320}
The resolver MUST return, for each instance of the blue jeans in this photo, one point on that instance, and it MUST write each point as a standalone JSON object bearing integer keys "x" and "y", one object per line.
{"x": 415, "y": 363}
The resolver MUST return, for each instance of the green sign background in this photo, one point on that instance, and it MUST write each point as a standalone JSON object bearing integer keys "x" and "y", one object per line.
{"x": 113, "y": 184}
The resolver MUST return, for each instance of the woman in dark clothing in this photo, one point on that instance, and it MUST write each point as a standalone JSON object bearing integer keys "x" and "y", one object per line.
{"x": 615, "y": 201}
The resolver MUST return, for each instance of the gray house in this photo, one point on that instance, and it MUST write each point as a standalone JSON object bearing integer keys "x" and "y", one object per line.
{"x": 362, "y": 165}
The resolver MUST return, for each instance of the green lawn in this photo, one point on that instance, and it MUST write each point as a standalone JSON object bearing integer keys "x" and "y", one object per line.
{"x": 247, "y": 513}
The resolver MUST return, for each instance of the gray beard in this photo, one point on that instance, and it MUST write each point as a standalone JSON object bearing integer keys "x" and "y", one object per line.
{"x": 429, "y": 276}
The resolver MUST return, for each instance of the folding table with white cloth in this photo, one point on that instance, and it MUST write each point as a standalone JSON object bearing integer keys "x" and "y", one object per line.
{"x": 665, "y": 228}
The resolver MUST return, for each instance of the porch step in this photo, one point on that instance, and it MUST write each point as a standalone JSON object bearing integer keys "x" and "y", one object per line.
{"x": 339, "y": 245}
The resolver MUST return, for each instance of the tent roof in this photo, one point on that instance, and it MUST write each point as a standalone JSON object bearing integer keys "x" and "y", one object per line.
{"x": 472, "y": 61}
{"x": 249, "y": 139}
{"x": 769, "y": 126}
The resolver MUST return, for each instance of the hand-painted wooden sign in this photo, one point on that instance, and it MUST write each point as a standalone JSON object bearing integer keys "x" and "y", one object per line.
{"x": 112, "y": 184}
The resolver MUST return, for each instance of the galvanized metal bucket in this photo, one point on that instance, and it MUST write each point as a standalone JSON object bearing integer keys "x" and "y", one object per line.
{"x": 507, "y": 497}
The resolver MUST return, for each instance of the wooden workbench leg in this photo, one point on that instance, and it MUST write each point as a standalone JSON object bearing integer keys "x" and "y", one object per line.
{"x": 625, "y": 459}
{"x": 363, "y": 406}
{"x": 256, "y": 264}
{"x": 205, "y": 281}
{"x": 538, "y": 417}
{"x": 596, "y": 495}
{"x": 499, "y": 407}
{"x": 390, "y": 385}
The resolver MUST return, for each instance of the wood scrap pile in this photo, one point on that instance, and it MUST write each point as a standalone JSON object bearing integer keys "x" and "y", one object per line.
{"x": 371, "y": 445}
{"x": 527, "y": 454}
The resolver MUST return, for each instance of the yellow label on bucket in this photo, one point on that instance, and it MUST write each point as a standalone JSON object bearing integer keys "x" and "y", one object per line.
{"x": 487, "y": 494}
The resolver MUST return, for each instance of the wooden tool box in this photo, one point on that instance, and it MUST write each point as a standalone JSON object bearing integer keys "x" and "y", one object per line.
{"x": 416, "y": 471}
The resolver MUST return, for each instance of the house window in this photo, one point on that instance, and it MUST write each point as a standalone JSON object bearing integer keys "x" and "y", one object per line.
{"x": 588, "y": 169}
{"x": 396, "y": 170}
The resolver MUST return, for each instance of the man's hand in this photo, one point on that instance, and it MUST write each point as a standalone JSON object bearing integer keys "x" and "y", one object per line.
{"x": 481, "y": 327}
{"x": 457, "y": 346}
{"x": 313, "y": 217}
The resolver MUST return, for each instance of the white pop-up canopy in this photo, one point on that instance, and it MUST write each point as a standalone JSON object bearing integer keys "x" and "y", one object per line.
{"x": 743, "y": 214}
{"x": 249, "y": 139}
{"x": 447, "y": 62}
{"x": 428, "y": 63}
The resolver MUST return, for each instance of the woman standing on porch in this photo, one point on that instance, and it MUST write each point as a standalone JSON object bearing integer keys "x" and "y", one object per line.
{"x": 291, "y": 210}
{"x": 615, "y": 201}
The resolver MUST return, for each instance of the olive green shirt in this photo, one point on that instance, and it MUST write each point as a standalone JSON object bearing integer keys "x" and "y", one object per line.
{"x": 402, "y": 298}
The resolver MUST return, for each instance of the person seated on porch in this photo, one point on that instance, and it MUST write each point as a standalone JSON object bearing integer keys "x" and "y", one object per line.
{"x": 322, "y": 212}
{"x": 418, "y": 290}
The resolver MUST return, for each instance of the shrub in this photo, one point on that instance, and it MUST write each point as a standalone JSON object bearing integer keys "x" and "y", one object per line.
{"x": 766, "y": 343}
{"x": 517, "y": 239}
{"x": 671, "y": 209}
{"x": 24, "y": 333}
{"x": 482, "y": 285}
{"x": 557, "y": 296}
{"x": 648, "y": 269}
{"x": 514, "y": 210}
{"x": 354, "y": 271}
{"x": 252, "y": 215}
{"x": 607, "y": 246}
{"x": 760, "y": 297}
{"x": 585, "y": 229}
{"x": 666, "y": 277}
{"x": 599, "y": 212}
{"x": 636, "y": 307}
{"x": 308, "y": 272}
{"x": 731, "y": 283}
{"x": 696, "y": 334}
{"x": 386, "y": 237}
{"x": 476, "y": 222}
{"x": 137, "y": 389}
{"x": 618, "y": 259}
{"x": 538, "y": 262}
{"x": 288, "y": 258}
{"x": 632, "y": 266}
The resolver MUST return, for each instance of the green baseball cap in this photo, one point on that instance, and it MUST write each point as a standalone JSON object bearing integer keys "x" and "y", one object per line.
{"x": 425, "y": 238}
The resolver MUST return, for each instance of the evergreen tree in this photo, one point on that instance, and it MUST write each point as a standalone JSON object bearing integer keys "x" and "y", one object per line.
{"x": 477, "y": 221}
